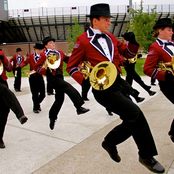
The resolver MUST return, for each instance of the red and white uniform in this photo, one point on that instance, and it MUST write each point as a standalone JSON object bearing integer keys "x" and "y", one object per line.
{"x": 32, "y": 60}
{"x": 43, "y": 56}
{"x": 7, "y": 67}
{"x": 85, "y": 50}
{"x": 17, "y": 60}
{"x": 159, "y": 51}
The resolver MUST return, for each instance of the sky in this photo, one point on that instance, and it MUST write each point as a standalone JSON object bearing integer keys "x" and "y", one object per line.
{"x": 28, "y": 4}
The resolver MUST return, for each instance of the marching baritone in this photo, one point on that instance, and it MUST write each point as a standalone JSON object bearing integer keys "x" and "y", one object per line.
{"x": 160, "y": 61}
{"x": 16, "y": 60}
{"x": 7, "y": 99}
{"x": 36, "y": 81}
{"x": 51, "y": 65}
{"x": 97, "y": 46}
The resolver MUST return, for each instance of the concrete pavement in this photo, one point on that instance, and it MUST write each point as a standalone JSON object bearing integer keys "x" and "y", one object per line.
{"x": 74, "y": 146}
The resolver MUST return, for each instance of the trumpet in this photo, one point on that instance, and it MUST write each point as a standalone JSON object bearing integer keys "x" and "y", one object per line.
{"x": 167, "y": 66}
{"x": 102, "y": 76}
{"x": 1, "y": 67}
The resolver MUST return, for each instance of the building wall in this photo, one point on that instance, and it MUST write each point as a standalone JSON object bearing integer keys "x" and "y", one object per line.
{"x": 10, "y": 50}
{"x": 3, "y": 10}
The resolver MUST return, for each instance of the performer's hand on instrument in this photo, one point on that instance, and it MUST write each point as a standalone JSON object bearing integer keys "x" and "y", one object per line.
{"x": 1, "y": 57}
{"x": 169, "y": 77}
{"x": 18, "y": 68}
{"x": 130, "y": 36}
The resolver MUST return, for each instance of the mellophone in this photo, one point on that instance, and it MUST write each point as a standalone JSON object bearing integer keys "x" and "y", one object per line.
{"x": 102, "y": 76}
{"x": 1, "y": 67}
{"x": 52, "y": 62}
{"x": 167, "y": 66}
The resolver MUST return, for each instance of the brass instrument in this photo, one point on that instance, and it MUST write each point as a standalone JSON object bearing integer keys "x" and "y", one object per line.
{"x": 102, "y": 75}
{"x": 85, "y": 69}
{"x": 167, "y": 66}
{"x": 1, "y": 67}
{"x": 132, "y": 60}
{"x": 30, "y": 73}
{"x": 15, "y": 72}
{"x": 52, "y": 61}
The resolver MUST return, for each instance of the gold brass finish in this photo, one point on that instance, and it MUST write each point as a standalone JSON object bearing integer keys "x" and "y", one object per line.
{"x": 168, "y": 66}
{"x": 1, "y": 67}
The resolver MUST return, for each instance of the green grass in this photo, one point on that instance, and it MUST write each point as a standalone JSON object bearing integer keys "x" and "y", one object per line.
{"x": 138, "y": 67}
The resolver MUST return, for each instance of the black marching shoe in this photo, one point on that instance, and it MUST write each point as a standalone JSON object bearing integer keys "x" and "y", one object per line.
{"x": 52, "y": 123}
{"x": 23, "y": 119}
{"x": 82, "y": 110}
{"x": 2, "y": 145}
{"x": 172, "y": 138}
{"x": 109, "y": 112}
{"x": 39, "y": 108}
{"x": 152, "y": 164}
{"x": 36, "y": 111}
{"x": 153, "y": 84}
{"x": 112, "y": 151}
{"x": 151, "y": 93}
{"x": 139, "y": 99}
{"x": 85, "y": 99}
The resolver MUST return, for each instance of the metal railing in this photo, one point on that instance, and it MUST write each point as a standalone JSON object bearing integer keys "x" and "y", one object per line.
{"x": 83, "y": 10}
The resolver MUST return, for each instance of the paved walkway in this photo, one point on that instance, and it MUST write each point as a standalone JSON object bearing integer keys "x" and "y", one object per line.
{"x": 74, "y": 146}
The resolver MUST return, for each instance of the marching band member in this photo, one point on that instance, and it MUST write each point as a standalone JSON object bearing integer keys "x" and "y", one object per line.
{"x": 162, "y": 51}
{"x": 16, "y": 60}
{"x": 7, "y": 99}
{"x": 37, "y": 85}
{"x": 56, "y": 80}
{"x": 95, "y": 46}
{"x": 131, "y": 75}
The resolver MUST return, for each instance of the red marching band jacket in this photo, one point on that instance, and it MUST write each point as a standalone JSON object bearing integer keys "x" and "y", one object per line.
{"x": 86, "y": 50}
{"x": 39, "y": 66}
{"x": 14, "y": 60}
{"x": 158, "y": 52}
{"x": 6, "y": 65}
{"x": 30, "y": 60}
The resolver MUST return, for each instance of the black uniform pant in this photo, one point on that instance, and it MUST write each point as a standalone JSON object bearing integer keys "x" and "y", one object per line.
{"x": 85, "y": 88}
{"x": 7, "y": 101}
{"x": 132, "y": 75}
{"x": 134, "y": 122}
{"x": 49, "y": 87}
{"x": 167, "y": 89}
{"x": 37, "y": 88}
{"x": 17, "y": 80}
{"x": 61, "y": 88}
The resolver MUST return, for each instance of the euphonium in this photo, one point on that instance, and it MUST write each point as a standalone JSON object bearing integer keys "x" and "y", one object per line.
{"x": 1, "y": 67}
{"x": 168, "y": 66}
{"x": 102, "y": 76}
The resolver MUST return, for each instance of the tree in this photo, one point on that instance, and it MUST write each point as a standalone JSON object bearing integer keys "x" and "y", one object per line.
{"x": 74, "y": 31}
{"x": 141, "y": 24}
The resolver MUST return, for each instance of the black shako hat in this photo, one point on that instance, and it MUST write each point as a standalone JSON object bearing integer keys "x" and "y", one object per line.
{"x": 100, "y": 10}
{"x": 18, "y": 49}
{"x": 38, "y": 46}
{"x": 47, "y": 39}
{"x": 163, "y": 22}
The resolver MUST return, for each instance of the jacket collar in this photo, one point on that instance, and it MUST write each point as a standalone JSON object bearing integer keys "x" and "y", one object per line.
{"x": 91, "y": 34}
{"x": 167, "y": 46}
